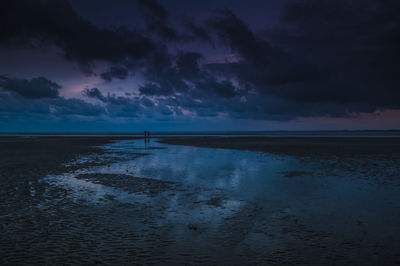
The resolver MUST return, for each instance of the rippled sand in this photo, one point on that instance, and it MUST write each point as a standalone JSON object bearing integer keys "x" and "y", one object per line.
{"x": 60, "y": 205}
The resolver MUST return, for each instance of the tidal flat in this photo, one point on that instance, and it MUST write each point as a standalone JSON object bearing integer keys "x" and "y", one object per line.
{"x": 199, "y": 200}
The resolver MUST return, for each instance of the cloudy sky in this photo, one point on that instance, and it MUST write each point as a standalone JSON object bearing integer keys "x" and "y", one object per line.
{"x": 126, "y": 65}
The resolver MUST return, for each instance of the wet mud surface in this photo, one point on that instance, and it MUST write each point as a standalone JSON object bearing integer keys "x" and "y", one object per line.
{"x": 85, "y": 201}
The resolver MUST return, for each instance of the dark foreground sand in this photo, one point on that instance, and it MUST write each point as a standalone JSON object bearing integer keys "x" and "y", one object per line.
{"x": 156, "y": 222}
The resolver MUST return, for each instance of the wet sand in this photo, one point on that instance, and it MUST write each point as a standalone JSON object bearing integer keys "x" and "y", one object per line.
{"x": 53, "y": 211}
{"x": 296, "y": 145}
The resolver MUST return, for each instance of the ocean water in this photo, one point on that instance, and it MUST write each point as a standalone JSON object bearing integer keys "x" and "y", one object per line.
{"x": 294, "y": 133}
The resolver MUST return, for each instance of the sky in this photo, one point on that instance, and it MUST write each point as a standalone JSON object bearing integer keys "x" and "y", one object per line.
{"x": 174, "y": 65}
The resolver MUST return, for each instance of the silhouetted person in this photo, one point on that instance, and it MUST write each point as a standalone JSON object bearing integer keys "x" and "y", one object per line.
{"x": 146, "y": 136}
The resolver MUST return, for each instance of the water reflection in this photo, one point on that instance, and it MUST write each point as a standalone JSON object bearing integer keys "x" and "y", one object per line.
{"x": 239, "y": 171}
{"x": 218, "y": 198}
{"x": 321, "y": 195}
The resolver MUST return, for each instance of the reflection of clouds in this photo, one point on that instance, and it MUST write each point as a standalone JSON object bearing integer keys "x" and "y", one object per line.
{"x": 82, "y": 189}
{"x": 187, "y": 206}
{"x": 243, "y": 172}
{"x": 223, "y": 168}
{"x": 183, "y": 205}
{"x": 324, "y": 203}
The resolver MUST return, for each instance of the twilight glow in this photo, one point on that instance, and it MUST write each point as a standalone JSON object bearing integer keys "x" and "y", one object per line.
{"x": 117, "y": 65}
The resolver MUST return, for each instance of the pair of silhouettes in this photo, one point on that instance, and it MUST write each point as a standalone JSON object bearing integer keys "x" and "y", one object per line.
{"x": 146, "y": 136}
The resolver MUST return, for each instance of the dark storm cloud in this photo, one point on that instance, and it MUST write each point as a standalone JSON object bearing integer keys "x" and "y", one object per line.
{"x": 183, "y": 74}
{"x": 115, "y": 73}
{"x": 94, "y": 93}
{"x": 353, "y": 44}
{"x": 234, "y": 32}
{"x": 112, "y": 99}
{"x": 40, "y": 96}
{"x": 19, "y": 96}
{"x": 51, "y": 107}
{"x": 156, "y": 17}
{"x": 62, "y": 106}
{"x": 188, "y": 80}
{"x": 55, "y": 22}
{"x": 223, "y": 88}
{"x": 324, "y": 58}
{"x": 158, "y": 23}
{"x": 259, "y": 61}
{"x": 164, "y": 110}
{"x": 163, "y": 77}
{"x": 147, "y": 102}
{"x": 187, "y": 63}
{"x": 156, "y": 10}
{"x": 125, "y": 106}
{"x": 35, "y": 88}
{"x": 152, "y": 89}
{"x": 199, "y": 32}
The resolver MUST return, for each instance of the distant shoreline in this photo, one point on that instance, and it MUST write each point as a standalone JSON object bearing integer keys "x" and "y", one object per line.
{"x": 155, "y": 134}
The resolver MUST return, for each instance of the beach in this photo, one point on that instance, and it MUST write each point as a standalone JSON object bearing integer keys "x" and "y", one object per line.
{"x": 199, "y": 200}
{"x": 305, "y": 145}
